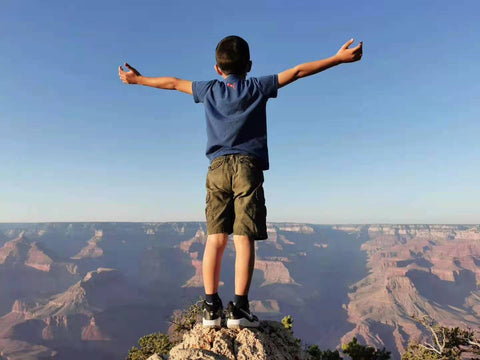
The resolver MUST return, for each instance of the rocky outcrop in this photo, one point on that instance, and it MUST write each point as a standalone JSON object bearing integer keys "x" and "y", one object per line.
{"x": 270, "y": 341}
{"x": 274, "y": 272}
{"x": 199, "y": 238}
{"x": 279, "y": 240}
{"x": 22, "y": 252}
{"x": 298, "y": 228}
{"x": 15, "y": 251}
{"x": 269, "y": 306}
{"x": 98, "y": 290}
{"x": 197, "y": 279}
{"x": 38, "y": 259}
{"x": 84, "y": 315}
{"x": 71, "y": 315}
{"x": 348, "y": 228}
{"x": 29, "y": 270}
{"x": 92, "y": 250}
{"x": 92, "y": 332}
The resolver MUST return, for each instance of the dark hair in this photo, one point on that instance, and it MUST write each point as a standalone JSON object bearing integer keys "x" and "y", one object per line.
{"x": 232, "y": 55}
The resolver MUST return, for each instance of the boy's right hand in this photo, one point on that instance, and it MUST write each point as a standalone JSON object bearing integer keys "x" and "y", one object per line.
{"x": 346, "y": 55}
{"x": 128, "y": 77}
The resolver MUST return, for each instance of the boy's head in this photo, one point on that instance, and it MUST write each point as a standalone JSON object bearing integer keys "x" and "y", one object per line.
{"x": 233, "y": 56}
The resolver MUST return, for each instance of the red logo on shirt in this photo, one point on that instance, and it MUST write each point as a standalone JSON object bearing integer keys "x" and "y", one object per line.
{"x": 231, "y": 85}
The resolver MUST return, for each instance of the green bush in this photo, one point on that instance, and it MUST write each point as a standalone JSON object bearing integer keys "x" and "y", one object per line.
{"x": 315, "y": 353}
{"x": 156, "y": 343}
{"x": 362, "y": 352}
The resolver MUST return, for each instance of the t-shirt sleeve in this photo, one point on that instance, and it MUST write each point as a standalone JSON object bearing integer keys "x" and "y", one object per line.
{"x": 200, "y": 89}
{"x": 268, "y": 85}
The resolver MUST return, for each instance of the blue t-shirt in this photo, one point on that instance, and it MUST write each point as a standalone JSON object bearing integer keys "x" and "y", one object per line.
{"x": 235, "y": 109}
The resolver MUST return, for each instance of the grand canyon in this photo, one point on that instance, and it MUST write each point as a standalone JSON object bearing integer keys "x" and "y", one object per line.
{"x": 91, "y": 290}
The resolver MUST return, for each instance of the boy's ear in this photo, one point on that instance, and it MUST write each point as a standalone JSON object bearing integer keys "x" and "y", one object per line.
{"x": 249, "y": 66}
{"x": 218, "y": 70}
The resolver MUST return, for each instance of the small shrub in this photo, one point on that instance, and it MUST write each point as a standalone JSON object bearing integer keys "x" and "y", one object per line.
{"x": 444, "y": 344}
{"x": 315, "y": 353}
{"x": 156, "y": 343}
{"x": 358, "y": 351}
{"x": 287, "y": 321}
{"x": 186, "y": 319}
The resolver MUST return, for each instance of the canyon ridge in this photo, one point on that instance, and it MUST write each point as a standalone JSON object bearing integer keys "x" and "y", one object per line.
{"x": 91, "y": 290}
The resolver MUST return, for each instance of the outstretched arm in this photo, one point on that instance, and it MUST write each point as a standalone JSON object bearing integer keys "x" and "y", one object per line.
{"x": 168, "y": 83}
{"x": 344, "y": 55}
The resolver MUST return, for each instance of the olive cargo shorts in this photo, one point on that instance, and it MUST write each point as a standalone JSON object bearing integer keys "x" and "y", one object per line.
{"x": 235, "y": 197}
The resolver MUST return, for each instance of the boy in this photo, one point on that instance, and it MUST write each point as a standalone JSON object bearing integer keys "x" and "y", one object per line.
{"x": 237, "y": 149}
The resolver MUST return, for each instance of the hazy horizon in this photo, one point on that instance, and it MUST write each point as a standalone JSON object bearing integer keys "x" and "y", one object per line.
{"x": 268, "y": 222}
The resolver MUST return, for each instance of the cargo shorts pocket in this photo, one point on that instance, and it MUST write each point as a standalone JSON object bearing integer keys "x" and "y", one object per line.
{"x": 250, "y": 161}
{"x": 255, "y": 206}
{"x": 208, "y": 211}
{"x": 216, "y": 163}
{"x": 260, "y": 195}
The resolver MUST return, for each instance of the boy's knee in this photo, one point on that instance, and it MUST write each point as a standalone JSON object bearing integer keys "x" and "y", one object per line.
{"x": 242, "y": 238}
{"x": 243, "y": 241}
{"x": 217, "y": 240}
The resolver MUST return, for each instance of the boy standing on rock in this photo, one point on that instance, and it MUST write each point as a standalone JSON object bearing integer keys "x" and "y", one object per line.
{"x": 235, "y": 110}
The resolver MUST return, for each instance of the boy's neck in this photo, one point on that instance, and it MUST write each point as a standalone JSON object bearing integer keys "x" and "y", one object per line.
{"x": 243, "y": 76}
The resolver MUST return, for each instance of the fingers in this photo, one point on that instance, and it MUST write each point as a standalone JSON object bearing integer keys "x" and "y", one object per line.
{"x": 128, "y": 77}
{"x": 347, "y": 44}
{"x": 358, "y": 47}
{"x": 121, "y": 74}
{"x": 131, "y": 68}
{"x": 358, "y": 51}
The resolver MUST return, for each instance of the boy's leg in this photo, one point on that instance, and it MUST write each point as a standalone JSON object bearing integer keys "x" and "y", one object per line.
{"x": 219, "y": 214}
{"x": 250, "y": 220}
{"x": 244, "y": 263}
{"x": 212, "y": 261}
{"x": 238, "y": 312}
{"x": 249, "y": 225}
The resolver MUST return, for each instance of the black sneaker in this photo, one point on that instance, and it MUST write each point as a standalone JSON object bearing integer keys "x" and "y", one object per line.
{"x": 238, "y": 318}
{"x": 212, "y": 315}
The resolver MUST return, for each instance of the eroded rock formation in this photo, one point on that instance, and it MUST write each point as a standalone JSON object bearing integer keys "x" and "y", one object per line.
{"x": 415, "y": 270}
{"x": 270, "y": 341}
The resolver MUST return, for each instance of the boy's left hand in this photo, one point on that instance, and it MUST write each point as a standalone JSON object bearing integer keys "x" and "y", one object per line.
{"x": 130, "y": 77}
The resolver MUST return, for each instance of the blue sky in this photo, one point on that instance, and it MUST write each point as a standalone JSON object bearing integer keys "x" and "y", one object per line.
{"x": 391, "y": 139}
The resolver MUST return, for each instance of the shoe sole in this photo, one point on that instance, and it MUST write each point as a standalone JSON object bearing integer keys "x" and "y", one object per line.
{"x": 242, "y": 323}
{"x": 212, "y": 323}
